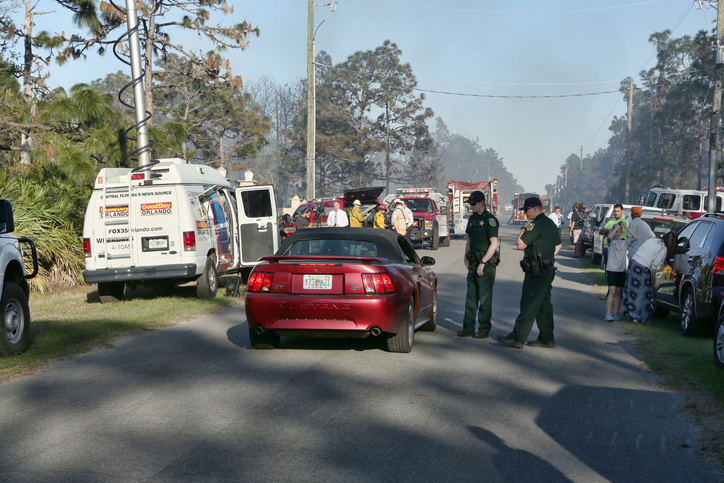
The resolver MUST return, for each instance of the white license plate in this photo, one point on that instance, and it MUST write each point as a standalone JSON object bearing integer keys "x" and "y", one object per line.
{"x": 157, "y": 243}
{"x": 317, "y": 282}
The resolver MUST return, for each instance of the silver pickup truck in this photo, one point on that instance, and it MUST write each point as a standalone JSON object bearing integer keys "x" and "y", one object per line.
{"x": 14, "y": 284}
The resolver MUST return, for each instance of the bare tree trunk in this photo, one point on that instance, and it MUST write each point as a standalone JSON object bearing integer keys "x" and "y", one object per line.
{"x": 388, "y": 163}
{"x": 26, "y": 140}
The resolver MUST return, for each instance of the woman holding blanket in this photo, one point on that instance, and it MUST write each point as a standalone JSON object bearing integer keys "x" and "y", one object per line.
{"x": 638, "y": 293}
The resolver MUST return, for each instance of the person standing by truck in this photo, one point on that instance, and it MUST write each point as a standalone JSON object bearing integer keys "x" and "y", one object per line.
{"x": 337, "y": 217}
{"x": 480, "y": 261}
{"x": 399, "y": 221}
{"x": 356, "y": 218}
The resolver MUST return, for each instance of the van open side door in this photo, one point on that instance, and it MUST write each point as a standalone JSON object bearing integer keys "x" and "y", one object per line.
{"x": 257, "y": 213}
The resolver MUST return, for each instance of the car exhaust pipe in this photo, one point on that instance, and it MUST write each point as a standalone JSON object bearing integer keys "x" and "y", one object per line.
{"x": 375, "y": 331}
{"x": 259, "y": 330}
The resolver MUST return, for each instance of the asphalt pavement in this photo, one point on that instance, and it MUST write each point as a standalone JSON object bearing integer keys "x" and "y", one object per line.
{"x": 196, "y": 403}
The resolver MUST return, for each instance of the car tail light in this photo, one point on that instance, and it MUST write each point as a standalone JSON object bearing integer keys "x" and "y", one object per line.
{"x": 377, "y": 283}
{"x": 189, "y": 241}
{"x": 718, "y": 266}
{"x": 86, "y": 247}
{"x": 259, "y": 282}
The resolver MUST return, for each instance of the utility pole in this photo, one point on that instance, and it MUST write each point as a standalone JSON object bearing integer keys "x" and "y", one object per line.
{"x": 566, "y": 179}
{"x": 628, "y": 141}
{"x": 139, "y": 100}
{"x": 716, "y": 105}
{"x": 581, "y": 160}
{"x": 311, "y": 110}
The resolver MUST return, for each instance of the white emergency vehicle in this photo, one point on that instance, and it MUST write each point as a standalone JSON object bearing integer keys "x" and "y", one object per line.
{"x": 689, "y": 203}
{"x": 15, "y": 322}
{"x": 458, "y": 193}
{"x": 174, "y": 223}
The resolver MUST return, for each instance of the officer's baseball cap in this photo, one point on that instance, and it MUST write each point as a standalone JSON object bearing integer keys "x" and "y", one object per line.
{"x": 476, "y": 197}
{"x": 531, "y": 202}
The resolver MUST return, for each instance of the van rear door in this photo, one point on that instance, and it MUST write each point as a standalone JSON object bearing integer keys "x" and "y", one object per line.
{"x": 257, "y": 210}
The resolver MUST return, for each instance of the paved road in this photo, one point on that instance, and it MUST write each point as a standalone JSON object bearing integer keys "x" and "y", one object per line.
{"x": 194, "y": 402}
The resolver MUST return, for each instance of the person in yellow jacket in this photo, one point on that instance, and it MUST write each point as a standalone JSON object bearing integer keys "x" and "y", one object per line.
{"x": 356, "y": 218}
{"x": 379, "y": 221}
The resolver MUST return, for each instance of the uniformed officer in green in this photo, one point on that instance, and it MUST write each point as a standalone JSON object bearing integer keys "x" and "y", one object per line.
{"x": 482, "y": 244}
{"x": 541, "y": 242}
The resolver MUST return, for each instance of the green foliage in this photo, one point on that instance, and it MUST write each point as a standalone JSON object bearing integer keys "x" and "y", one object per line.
{"x": 49, "y": 211}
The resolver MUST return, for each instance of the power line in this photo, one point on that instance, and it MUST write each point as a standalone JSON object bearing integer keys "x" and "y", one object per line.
{"x": 511, "y": 13}
{"x": 490, "y": 96}
{"x": 605, "y": 120}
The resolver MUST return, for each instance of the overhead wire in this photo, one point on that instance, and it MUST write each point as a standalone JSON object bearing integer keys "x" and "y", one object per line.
{"x": 492, "y": 12}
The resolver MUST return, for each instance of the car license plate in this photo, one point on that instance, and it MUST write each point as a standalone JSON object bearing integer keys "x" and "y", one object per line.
{"x": 157, "y": 243}
{"x": 317, "y": 282}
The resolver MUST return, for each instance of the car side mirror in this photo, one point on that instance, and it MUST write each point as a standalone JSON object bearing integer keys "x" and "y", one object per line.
{"x": 7, "y": 222}
{"x": 427, "y": 261}
{"x": 679, "y": 250}
{"x": 443, "y": 210}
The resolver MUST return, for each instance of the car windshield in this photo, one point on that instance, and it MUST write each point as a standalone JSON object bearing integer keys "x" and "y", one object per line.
{"x": 419, "y": 205}
{"x": 332, "y": 248}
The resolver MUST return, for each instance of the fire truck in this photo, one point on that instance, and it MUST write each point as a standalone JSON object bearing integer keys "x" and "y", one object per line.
{"x": 430, "y": 215}
{"x": 518, "y": 216}
{"x": 458, "y": 192}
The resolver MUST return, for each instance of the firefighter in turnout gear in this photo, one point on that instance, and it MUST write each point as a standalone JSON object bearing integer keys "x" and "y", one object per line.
{"x": 541, "y": 242}
{"x": 481, "y": 258}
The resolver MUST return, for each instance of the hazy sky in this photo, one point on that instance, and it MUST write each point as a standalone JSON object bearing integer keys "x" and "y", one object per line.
{"x": 478, "y": 47}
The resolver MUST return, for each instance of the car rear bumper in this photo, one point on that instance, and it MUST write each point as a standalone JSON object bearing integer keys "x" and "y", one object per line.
{"x": 186, "y": 270}
{"x": 346, "y": 314}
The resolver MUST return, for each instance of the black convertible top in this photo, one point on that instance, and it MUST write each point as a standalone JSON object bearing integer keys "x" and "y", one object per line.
{"x": 386, "y": 241}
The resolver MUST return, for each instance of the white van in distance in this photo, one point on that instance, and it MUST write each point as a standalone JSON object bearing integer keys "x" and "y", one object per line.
{"x": 173, "y": 223}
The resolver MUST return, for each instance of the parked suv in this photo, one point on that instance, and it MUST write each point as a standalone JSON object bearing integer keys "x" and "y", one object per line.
{"x": 693, "y": 284}
{"x": 13, "y": 285}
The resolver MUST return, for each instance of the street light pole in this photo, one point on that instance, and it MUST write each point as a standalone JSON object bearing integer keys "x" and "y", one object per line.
{"x": 311, "y": 111}
{"x": 312, "y": 94}
{"x": 716, "y": 106}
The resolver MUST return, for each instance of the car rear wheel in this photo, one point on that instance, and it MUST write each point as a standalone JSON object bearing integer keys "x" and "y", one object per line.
{"x": 719, "y": 342}
{"x": 208, "y": 282}
{"x": 15, "y": 321}
{"x": 431, "y": 325}
{"x": 687, "y": 318}
{"x": 403, "y": 340}
{"x": 111, "y": 292}
{"x": 267, "y": 340}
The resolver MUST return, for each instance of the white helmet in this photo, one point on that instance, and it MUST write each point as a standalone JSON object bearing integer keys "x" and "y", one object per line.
{"x": 357, "y": 202}
{"x": 396, "y": 201}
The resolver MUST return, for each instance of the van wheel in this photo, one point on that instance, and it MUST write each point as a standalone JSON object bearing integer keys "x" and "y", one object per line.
{"x": 15, "y": 321}
{"x": 687, "y": 319}
{"x": 111, "y": 292}
{"x": 208, "y": 282}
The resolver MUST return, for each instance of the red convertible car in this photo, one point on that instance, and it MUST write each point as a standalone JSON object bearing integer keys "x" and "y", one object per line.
{"x": 342, "y": 282}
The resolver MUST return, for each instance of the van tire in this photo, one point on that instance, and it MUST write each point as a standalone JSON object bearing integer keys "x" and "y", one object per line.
{"x": 208, "y": 282}
{"x": 111, "y": 292}
{"x": 15, "y": 322}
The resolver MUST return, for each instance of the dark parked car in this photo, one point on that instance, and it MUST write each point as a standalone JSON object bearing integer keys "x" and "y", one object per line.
{"x": 342, "y": 282}
{"x": 693, "y": 282}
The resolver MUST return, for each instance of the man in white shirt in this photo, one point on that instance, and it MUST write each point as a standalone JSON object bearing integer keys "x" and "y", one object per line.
{"x": 337, "y": 217}
{"x": 557, "y": 218}
{"x": 408, "y": 214}
{"x": 642, "y": 230}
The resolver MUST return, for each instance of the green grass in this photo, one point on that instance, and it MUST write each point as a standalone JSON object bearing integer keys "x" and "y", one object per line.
{"x": 686, "y": 365}
{"x": 72, "y": 321}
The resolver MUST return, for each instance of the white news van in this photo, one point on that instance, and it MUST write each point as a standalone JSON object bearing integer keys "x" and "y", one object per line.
{"x": 174, "y": 223}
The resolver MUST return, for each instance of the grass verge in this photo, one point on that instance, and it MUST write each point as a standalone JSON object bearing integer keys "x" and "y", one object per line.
{"x": 686, "y": 365}
{"x": 73, "y": 321}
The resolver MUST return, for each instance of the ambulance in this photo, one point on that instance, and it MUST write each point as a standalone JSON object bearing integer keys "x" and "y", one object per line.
{"x": 174, "y": 223}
